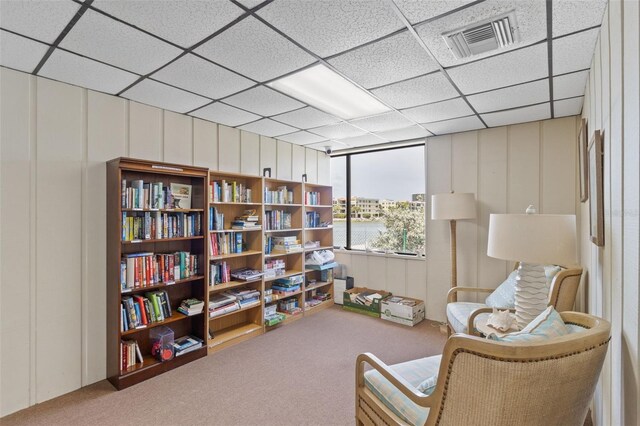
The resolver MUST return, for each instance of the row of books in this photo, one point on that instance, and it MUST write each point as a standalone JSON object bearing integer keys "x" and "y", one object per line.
{"x": 138, "y": 311}
{"x": 158, "y": 225}
{"x": 277, "y": 219}
{"x": 225, "y": 243}
{"x": 312, "y": 220}
{"x": 233, "y": 300}
{"x": 281, "y": 195}
{"x": 129, "y": 353}
{"x": 274, "y": 268}
{"x": 229, "y": 192}
{"x": 155, "y": 195}
{"x": 289, "y": 306}
{"x": 272, "y": 316}
{"x": 316, "y": 299}
{"x": 216, "y": 219}
{"x": 312, "y": 198}
{"x": 139, "y": 270}
{"x": 219, "y": 273}
{"x": 291, "y": 284}
{"x": 275, "y": 244}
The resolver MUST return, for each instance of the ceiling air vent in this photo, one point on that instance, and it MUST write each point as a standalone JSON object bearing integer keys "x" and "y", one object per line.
{"x": 484, "y": 36}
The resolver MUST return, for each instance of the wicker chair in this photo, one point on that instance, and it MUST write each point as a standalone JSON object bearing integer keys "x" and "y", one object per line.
{"x": 461, "y": 316}
{"x": 485, "y": 382}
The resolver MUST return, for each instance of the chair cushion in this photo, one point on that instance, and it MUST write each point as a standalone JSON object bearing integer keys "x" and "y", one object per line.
{"x": 547, "y": 325}
{"x": 458, "y": 314}
{"x": 414, "y": 372}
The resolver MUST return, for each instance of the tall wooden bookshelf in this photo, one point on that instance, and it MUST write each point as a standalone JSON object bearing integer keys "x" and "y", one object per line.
{"x": 189, "y": 237}
{"x": 318, "y": 235}
{"x": 232, "y": 196}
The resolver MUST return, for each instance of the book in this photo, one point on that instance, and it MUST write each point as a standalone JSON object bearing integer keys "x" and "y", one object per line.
{"x": 246, "y": 274}
{"x": 181, "y": 195}
{"x": 191, "y": 306}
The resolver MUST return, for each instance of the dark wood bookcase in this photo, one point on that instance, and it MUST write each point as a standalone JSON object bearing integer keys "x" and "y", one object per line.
{"x": 195, "y": 286}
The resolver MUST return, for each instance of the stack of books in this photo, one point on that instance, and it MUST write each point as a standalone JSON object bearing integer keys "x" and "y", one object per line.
{"x": 221, "y": 304}
{"x": 274, "y": 268}
{"x": 245, "y": 297}
{"x": 366, "y": 297}
{"x": 289, "y": 306}
{"x": 284, "y": 286}
{"x": 285, "y": 244}
{"x": 186, "y": 344}
{"x": 248, "y": 220}
{"x": 246, "y": 274}
{"x": 271, "y": 316}
{"x": 191, "y": 307}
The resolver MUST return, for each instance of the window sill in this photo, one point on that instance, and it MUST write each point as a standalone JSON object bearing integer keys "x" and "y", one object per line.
{"x": 379, "y": 254}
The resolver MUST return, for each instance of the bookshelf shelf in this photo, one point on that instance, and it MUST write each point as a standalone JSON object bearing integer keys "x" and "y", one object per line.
{"x": 280, "y": 254}
{"x": 164, "y": 210}
{"x": 163, "y": 240}
{"x": 308, "y": 250}
{"x": 234, "y": 230}
{"x": 229, "y": 203}
{"x": 281, "y": 205}
{"x": 161, "y": 285}
{"x": 319, "y": 307}
{"x": 283, "y": 230}
{"x": 231, "y": 284}
{"x": 228, "y": 314}
{"x": 319, "y": 228}
{"x": 318, "y": 285}
{"x": 287, "y": 273}
{"x": 229, "y": 334}
{"x": 318, "y": 206}
{"x": 175, "y": 316}
{"x": 231, "y": 255}
{"x": 276, "y": 297}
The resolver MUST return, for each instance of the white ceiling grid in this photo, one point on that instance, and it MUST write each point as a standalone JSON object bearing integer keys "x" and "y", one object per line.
{"x": 212, "y": 60}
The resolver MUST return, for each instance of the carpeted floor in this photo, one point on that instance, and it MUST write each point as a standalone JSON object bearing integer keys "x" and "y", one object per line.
{"x": 300, "y": 374}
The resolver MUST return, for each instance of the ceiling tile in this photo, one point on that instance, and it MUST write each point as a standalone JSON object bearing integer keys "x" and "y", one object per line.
{"x": 393, "y": 59}
{"x": 406, "y": 133}
{"x": 267, "y": 127}
{"x": 225, "y": 114}
{"x": 83, "y": 72}
{"x": 439, "y": 111}
{"x": 197, "y": 75}
{"x": 163, "y": 96}
{"x": 338, "y": 131}
{"x": 531, "y": 18}
{"x": 20, "y": 53}
{"x": 574, "y": 15}
{"x": 566, "y": 107}
{"x": 305, "y": 118}
{"x": 520, "y": 115}
{"x": 179, "y": 21}
{"x": 302, "y": 138}
{"x": 363, "y": 140}
{"x": 255, "y": 50}
{"x": 327, "y": 27}
{"x": 42, "y": 20}
{"x": 417, "y": 91}
{"x": 569, "y": 85}
{"x": 510, "y": 68}
{"x": 419, "y": 10}
{"x": 320, "y": 146}
{"x": 99, "y": 37}
{"x": 573, "y": 53}
{"x": 264, "y": 101}
{"x": 251, "y": 3}
{"x": 511, "y": 97}
{"x": 381, "y": 122}
{"x": 456, "y": 125}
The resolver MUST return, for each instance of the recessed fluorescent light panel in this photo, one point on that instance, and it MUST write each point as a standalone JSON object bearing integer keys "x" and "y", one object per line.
{"x": 326, "y": 90}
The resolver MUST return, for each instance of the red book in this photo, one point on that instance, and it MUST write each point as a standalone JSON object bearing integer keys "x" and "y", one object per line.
{"x": 147, "y": 261}
{"x": 143, "y": 314}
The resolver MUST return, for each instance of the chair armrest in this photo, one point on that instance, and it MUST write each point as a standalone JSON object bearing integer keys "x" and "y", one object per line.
{"x": 472, "y": 318}
{"x": 455, "y": 290}
{"x": 401, "y": 384}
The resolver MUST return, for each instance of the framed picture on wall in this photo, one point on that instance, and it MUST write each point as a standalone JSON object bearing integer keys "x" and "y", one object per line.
{"x": 583, "y": 142}
{"x": 596, "y": 200}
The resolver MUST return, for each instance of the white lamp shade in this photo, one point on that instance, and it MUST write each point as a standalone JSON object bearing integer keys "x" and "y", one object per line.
{"x": 456, "y": 205}
{"x": 533, "y": 238}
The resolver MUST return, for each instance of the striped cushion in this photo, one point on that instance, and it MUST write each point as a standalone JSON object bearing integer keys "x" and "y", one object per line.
{"x": 458, "y": 314}
{"x": 547, "y": 325}
{"x": 414, "y": 372}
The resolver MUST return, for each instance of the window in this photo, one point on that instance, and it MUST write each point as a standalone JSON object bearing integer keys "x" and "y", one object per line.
{"x": 378, "y": 200}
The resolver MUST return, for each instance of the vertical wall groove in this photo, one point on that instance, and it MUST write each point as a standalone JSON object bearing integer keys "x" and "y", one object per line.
{"x": 33, "y": 276}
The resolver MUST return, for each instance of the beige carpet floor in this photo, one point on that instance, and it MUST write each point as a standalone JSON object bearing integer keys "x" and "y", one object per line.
{"x": 300, "y": 374}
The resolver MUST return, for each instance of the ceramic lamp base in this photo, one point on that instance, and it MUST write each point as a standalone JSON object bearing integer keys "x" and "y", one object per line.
{"x": 532, "y": 293}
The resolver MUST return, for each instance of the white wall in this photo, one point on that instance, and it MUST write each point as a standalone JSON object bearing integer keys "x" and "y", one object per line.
{"x": 612, "y": 104}
{"x": 55, "y": 139}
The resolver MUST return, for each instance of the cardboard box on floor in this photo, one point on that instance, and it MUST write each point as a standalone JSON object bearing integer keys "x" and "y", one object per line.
{"x": 402, "y": 314}
{"x": 372, "y": 310}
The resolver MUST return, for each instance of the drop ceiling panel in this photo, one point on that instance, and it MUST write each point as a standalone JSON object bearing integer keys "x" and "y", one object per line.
{"x": 363, "y": 140}
{"x": 263, "y": 101}
{"x": 83, "y": 72}
{"x": 250, "y": 3}
{"x": 327, "y": 27}
{"x": 302, "y": 138}
{"x": 444, "y": 110}
{"x": 268, "y": 127}
{"x": 225, "y": 114}
{"x": 503, "y": 70}
{"x": 417, "y": 91}
{"x": 338, "y": 131}
{"x": 163, "y": 96}
{"x": 200, "y": 76}
{"x": 179, "y": 21}
{"x": 320, "y": 146}
{"x": 573, "y": 53}
{"x": 42, "y": 20}
{"x": 382, "y": 122}
{"x": 511, "y": 97}
{"x": 531, "y": 19}
{"x": 456, "y": 125}
{"x": 99, "y": 37}
{"x": 419, "y": 10}
{"x": 255, "y": 50}
{"x": 574, "y": 15}
{"x": 393, "y": 59}
{"x": 306, "y": 118}
{"x": 20, "y": 53}
{"x": 570, "y": 85}
{"x": 566, "y": 107}
{"x": 411, "y": 132}
{"x": 520, "y": 115}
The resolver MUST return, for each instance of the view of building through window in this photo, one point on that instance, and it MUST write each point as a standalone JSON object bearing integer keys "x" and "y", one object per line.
{"x": 387, "y": 200}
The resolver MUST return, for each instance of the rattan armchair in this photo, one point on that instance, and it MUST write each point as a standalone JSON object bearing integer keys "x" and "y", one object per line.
{"x": 485, "y": 382}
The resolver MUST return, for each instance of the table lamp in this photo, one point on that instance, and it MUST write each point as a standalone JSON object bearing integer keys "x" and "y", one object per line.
{"x": 533, "y": 240}
{"x": 452, "y": 207}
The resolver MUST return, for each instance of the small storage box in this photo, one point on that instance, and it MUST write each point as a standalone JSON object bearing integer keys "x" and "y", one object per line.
{"x": 162, "y": 343}
{"x": 403, "y": 310}
{"x": 350, "y": 303}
